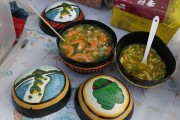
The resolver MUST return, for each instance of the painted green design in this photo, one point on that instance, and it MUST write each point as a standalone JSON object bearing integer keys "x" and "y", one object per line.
{"x": 65, "y": 9}
{"x": 38, "y": 81}
{"x": 39, "y": 94}
{"x": 40, "y": 85}
{"x": 38, "y": 77}
{"x": 38, "y": 72}
{"x": 107, "y": 93}
{"x": 29, "y": 97}
{"x": 34, "y": 89}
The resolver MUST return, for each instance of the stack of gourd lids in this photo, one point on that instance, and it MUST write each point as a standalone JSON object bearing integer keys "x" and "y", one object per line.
{"x": 103, "y": 97}
{"x": 41, "y": 91}
{"x": 60, "y": 14}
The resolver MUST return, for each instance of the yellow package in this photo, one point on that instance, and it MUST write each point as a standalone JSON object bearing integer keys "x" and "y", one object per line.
{"x": 129, "y": 21}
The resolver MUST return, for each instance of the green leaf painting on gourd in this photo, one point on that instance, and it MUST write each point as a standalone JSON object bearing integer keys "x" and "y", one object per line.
{"x": 65, "y": 9}
{"x": 107, "y": 93}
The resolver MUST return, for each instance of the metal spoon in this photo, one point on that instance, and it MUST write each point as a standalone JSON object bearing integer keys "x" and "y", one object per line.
{"x": 152, "y": 33}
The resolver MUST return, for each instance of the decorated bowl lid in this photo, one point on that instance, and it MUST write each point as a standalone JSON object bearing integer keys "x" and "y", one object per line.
{"x": 41, "y": 91}
{"x": 59, "y": 14}
{"x": 103, "y": 97}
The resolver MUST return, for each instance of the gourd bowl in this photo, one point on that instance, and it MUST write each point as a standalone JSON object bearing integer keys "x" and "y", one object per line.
{"x": 160, "y": 47}
{"x": 87, "y": 67}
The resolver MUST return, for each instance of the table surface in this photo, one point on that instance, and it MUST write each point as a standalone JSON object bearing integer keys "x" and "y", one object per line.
{"x": 162, "y": 103}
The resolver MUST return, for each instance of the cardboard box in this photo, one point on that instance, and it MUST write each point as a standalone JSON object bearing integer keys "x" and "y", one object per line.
{"x": 140, "y": 18}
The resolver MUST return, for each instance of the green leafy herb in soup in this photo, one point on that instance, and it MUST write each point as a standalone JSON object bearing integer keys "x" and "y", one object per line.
{"x": 131, "y": 58}
{"x": 86, "y": 43}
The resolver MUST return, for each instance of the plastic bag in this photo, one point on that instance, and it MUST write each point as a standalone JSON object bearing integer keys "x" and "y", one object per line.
{"x": 167, "y": 10}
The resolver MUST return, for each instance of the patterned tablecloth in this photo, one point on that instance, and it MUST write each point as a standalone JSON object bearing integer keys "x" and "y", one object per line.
{"x": 160, "y": 103}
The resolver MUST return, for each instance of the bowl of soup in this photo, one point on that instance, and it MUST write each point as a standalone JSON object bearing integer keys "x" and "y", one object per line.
{"x": 88, "y": 47}
{"x": 160, "y": 62}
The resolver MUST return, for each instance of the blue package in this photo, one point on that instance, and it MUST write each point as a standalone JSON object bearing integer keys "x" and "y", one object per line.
{"x": 18, "y": 12}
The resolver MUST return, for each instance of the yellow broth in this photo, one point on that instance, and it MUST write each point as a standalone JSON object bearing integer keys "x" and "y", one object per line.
{"x": 86, "y": 43}
{"x": 131, "y": 58}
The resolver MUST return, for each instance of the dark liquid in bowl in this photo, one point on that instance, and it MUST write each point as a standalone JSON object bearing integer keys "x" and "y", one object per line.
{"x": 131, "y": 58}
{"x": 86, "y": 43}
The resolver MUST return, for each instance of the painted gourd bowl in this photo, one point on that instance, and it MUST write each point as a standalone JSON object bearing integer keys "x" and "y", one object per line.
{"x": 103, "y": 97}
{"x": 60, "y": 14}
{"x": 158, "y": 45}
{"x": 83, "y": 66}
{"x": 41, "y": 91}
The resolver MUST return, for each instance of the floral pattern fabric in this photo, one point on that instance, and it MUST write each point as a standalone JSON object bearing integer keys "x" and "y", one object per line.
{"x": 160, "y": 103}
